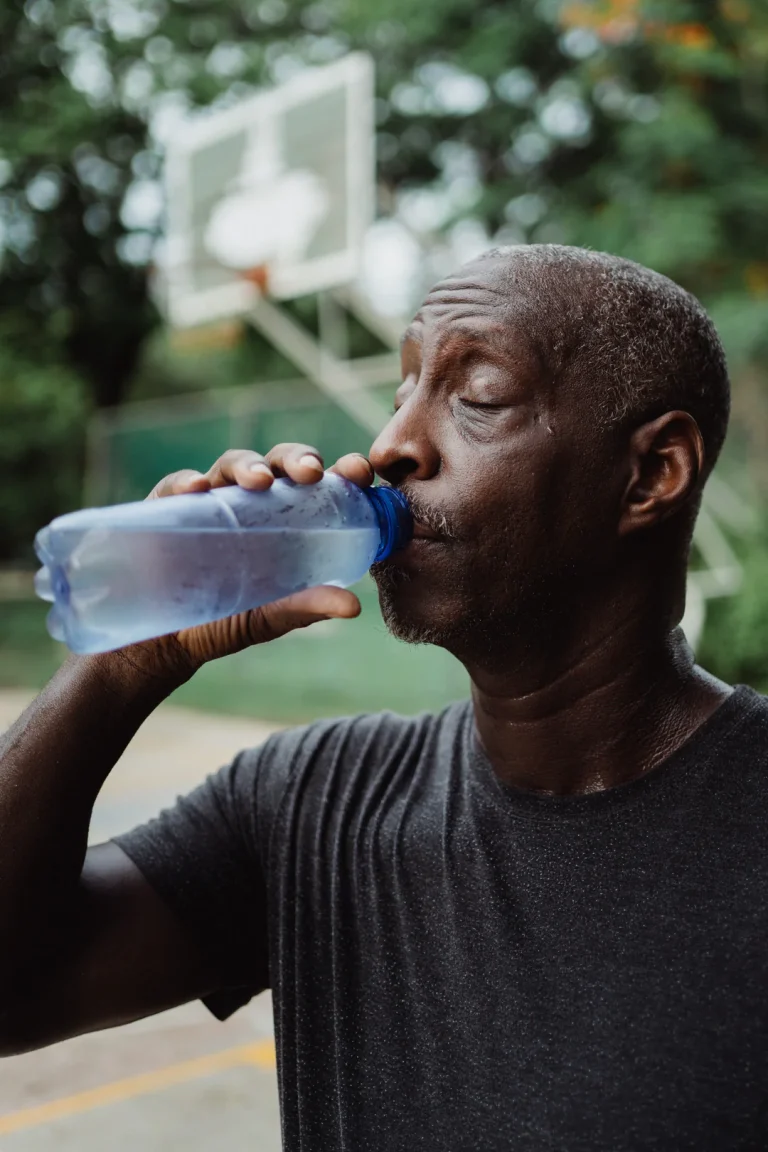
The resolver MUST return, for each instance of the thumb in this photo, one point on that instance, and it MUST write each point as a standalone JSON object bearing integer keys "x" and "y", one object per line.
{"x": 300, "y": 610}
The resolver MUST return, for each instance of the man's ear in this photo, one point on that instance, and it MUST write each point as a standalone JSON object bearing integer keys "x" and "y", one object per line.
{"x": 666, "y": 461}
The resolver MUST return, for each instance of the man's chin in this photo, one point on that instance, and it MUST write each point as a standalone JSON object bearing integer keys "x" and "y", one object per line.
{"x": 400, "y": 608}
{"x": 444, "y": 611}
{"x": 408, "y": 630}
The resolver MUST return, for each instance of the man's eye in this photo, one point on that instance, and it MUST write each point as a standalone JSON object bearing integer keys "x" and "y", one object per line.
{"x": 479, "y": 406}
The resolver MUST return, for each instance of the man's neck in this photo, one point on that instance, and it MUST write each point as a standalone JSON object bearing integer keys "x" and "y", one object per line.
{"x": 609, "y": 717}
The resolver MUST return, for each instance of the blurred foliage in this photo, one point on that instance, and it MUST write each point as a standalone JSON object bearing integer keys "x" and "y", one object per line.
{"x": 735, "y": 641}
{"x": 66, "y": 164}
{"x": 633, "y": 125}
{"x": 43, "y": 413}
{"x": 637, "y": 126}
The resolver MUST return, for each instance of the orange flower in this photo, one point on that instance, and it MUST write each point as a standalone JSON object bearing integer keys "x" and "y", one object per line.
{"x": 599, "y": 15}
{"x": 616, "y": 21}
{"x": 690, "y": 35}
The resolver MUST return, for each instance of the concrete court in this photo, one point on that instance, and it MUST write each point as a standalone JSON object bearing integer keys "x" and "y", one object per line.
{"x": 178, "y": 1081}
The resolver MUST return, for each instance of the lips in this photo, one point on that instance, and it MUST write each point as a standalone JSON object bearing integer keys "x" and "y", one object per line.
{"x": 421, "y": 532}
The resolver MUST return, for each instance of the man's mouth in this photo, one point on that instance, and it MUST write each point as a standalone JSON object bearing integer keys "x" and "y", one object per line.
{"x": 430, "y": 526}
{"x": 422, "y": 532}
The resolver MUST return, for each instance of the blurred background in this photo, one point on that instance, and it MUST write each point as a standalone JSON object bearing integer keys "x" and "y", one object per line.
{"x": 638, "y": 128}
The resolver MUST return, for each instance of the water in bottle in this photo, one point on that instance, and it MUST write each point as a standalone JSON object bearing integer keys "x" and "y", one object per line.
{"x": 133, "y": 571}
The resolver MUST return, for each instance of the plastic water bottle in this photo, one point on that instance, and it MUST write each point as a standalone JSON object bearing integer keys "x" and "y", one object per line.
{"x": 133, "y": 571}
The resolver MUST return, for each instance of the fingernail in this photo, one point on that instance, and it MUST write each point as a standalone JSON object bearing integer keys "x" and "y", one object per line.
{"x": 311, "y": 462}
{"x": 195, "y": 476}
{"x": 262, "y": 469}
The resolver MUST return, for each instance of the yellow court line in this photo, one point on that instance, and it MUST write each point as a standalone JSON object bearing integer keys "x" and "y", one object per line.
{"x": 261, "y": 1054}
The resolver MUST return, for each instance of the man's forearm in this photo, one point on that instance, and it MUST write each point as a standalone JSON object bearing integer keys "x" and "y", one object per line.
{"x": 53, "y": 762}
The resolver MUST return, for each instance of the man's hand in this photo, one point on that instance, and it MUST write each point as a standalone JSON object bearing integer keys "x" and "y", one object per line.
{"x": 182, "y": 653}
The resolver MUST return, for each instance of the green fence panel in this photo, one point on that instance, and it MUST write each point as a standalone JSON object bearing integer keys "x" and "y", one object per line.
{"x": 324, "y": 426}
{"x": 139, "y": 457}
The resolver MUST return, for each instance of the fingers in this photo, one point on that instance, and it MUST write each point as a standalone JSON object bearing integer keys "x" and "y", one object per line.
{"x": 241, "y": 466}
{"x": 260, "y": 625}
{"x": 299, "y": 462}
{"x": 186, "y": 480}
{"x": 250, "y": 469}
{"x": 355, "y": 467}
{"x": 300, "y": 610}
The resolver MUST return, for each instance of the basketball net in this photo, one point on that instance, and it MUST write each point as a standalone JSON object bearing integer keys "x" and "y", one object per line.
{"x": 258, "y": 276}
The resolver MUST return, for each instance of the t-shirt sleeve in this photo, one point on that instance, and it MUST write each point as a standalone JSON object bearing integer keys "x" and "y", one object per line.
{"x": 205, "y": 858}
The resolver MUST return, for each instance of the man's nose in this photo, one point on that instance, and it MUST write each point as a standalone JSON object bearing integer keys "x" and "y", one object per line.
{"x": 404, "y": 449}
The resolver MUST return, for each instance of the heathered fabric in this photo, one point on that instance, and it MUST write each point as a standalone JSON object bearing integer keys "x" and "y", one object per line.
{"x": 460, "y": 966}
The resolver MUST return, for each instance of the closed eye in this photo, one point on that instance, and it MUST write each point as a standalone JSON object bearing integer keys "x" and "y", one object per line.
{"x": 483, "y": 407}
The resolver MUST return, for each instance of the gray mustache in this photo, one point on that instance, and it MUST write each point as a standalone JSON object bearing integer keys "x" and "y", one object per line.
{"x": 429, "y": 516}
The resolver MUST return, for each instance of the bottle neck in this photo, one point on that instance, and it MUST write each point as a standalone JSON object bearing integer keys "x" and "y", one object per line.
{"x": 393, "y": 517}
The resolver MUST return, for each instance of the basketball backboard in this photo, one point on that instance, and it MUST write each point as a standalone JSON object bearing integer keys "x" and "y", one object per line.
{"x": 280, "y": 186}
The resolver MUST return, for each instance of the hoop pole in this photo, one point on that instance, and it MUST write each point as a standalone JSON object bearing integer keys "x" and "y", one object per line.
{"x": 331, "y": 375}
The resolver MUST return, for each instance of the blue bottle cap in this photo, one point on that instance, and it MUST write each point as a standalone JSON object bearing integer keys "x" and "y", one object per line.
{"x": 394, "y": 517}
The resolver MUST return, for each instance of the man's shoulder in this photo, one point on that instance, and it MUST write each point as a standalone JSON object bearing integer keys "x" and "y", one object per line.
{"x": 723, "y": 768}
{"x": 325, "y": 753}
{"x": 742, "y": 736}
{"x": 371, "y": 735}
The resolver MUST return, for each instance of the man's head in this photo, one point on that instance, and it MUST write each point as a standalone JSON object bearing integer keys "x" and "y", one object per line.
{"x": 559, "y": 413}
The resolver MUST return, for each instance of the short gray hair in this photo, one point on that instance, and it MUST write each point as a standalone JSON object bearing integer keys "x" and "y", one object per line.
{"x": 642, "y": 343}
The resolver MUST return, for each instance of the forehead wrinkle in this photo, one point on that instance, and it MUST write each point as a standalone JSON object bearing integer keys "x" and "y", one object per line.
{"x": 464, "y": 323}
{"x": 466, "y": 301}
{"x": 462, "y": 337}
{"x": 454, "y": 312}
{"x": 481, "y": 314}
{"x": 466, "y": 287}
{"x": 487, "y": 330}
{"x": 498, "y": 318}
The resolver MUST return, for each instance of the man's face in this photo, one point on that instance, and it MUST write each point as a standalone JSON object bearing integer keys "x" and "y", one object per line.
{"x": 511, "y": 485}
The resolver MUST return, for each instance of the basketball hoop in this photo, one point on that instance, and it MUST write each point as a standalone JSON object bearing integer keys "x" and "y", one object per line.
{"x": 271, "y": 195}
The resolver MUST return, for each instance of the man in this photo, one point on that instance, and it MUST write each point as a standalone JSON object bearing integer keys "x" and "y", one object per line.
{"x": 536, "y": 921}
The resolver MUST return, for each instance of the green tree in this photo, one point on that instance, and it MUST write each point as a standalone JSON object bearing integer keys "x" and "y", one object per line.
{"x": 42, "y": 421}
{"x": 66, "y": 292}
{"x": 623, "y": 124}
{"x": 631, "y": 125}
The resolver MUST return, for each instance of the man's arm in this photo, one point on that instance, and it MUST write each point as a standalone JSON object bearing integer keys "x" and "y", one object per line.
{"x": 85, "y": 941}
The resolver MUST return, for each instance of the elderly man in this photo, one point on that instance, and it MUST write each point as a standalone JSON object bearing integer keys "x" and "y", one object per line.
{"x": 537, "y": 921}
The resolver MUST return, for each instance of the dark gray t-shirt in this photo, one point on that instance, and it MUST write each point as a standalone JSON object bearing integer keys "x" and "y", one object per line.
{"x": 461, "y": 967}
